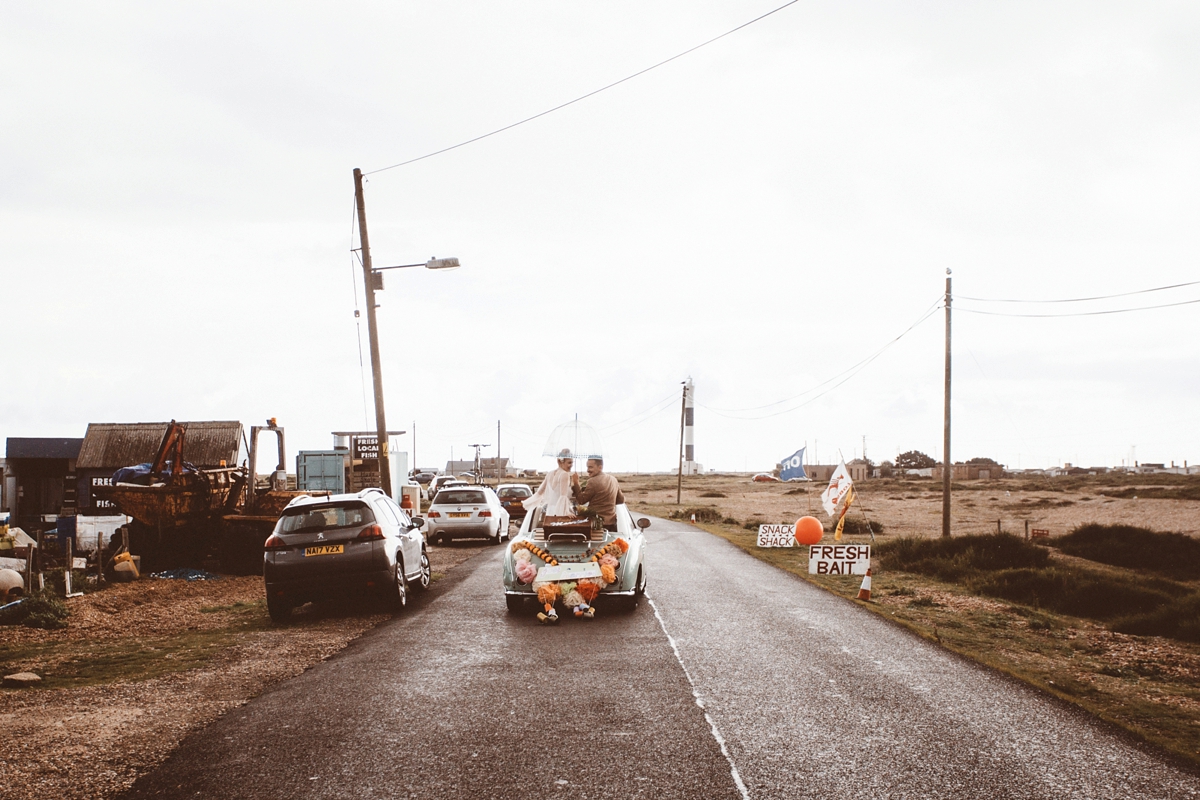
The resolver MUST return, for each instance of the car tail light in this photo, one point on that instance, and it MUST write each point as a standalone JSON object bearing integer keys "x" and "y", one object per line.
{"x": 373, "y": 532}
{"x": 273, "y": 541}
{"x": 485, "y": 513}
{"x": 433, "y": 514}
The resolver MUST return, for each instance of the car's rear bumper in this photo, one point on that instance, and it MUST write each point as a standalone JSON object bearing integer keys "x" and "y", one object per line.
{"x": 464, "y": 530}
{"x": 603, "y": 593}
{"x": 319, "y": 587}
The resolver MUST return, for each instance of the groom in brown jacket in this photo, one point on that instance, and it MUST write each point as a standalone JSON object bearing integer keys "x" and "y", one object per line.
{"x": 602, "y": 494}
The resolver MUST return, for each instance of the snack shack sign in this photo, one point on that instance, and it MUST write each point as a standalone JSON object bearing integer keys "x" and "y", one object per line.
{"x": 839, "y": 559}
{"x": 776, "y": 535}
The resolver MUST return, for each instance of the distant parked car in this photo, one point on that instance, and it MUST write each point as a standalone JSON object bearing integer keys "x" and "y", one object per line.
{"x": 765, "y": 477}
{"x": 511, "y": 495}
{"x": 423, "y": 478}
{"x": 344, "y": 544}
{"x": 465, "y": 512}
{"x": 437, "y": 482}
{"x": 469, "y": 477}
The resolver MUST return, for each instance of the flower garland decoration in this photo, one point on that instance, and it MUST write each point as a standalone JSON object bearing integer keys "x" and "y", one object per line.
{"x": 575, "y": 595}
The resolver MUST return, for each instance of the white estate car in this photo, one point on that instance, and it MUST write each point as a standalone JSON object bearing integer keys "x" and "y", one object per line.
{"x": 464, "y": 512}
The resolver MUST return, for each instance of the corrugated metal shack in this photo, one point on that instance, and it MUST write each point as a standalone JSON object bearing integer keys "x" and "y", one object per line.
{"x": 108, "y": 446}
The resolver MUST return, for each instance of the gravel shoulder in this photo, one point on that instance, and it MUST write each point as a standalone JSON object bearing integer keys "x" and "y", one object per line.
{"x": 87, "y": 736}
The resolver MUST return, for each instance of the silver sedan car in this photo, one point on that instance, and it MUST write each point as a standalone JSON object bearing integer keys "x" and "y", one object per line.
{"x": 465, "y": 512}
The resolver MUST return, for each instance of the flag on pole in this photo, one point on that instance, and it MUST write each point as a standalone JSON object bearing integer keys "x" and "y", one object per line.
{"x": 839, "y": 486}
{"x": 793, "y": 466}
{"x": 850, "y": 497}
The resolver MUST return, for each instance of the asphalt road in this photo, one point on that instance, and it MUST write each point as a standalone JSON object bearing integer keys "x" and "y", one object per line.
{"x": 736, "y": 680}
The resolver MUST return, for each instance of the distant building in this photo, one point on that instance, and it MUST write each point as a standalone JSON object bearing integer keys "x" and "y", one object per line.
{"x": 486, "y": 465}
{"x": 971, "y": 472}
{"x": 39, "y": 480}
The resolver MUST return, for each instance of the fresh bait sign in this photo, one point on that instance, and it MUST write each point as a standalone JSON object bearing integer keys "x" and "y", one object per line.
{"x": 776, "y": 536}
{"x": 839, "y": 559}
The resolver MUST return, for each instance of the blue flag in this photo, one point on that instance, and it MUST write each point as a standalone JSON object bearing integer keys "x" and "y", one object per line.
{"x": 793, "y": 466}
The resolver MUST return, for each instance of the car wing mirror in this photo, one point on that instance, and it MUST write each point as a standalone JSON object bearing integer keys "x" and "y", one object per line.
{"x": 643, "y": 523}
{"x": 416, "y": 522}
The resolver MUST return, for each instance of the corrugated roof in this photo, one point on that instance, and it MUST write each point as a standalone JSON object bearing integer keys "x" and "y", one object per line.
{"x": 42, "y": 448}
{"x": 110, "y": 445}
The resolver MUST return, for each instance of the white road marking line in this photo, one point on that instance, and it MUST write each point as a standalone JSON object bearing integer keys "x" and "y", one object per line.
{"x": 733, "y": 770}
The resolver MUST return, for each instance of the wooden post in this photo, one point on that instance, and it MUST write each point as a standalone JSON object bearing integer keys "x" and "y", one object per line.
{"x": 1027, "y": 530}
{"x": 385, "y": 465}
{"x": 998, "y": 528}
{"x": 947, "y": 463}
{"x": 67, "y": 570}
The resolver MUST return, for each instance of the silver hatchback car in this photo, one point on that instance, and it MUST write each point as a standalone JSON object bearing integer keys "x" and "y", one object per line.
{"x": 344, "y": 544}
{"x": 462, "y": 512}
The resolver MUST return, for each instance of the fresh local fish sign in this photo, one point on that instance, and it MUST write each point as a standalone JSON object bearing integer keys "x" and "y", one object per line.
{"x": 839, "y": 559}
{"x": 776, "y": 535}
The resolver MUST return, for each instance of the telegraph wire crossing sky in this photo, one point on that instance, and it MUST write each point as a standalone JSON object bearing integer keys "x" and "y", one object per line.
{"x": 764, "y": 217}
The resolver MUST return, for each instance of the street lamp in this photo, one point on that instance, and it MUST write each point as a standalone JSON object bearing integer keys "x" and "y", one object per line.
{"x": 373, "y": 281}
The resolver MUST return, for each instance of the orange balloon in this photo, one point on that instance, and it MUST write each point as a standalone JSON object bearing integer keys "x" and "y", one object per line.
{"x": 809, "y": 530}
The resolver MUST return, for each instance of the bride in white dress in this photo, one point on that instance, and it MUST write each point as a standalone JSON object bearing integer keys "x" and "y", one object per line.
{"x": 555, "y": 491}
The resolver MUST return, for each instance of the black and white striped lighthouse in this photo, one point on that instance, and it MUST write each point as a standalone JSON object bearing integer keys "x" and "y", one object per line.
{"x": 689, "y": 444}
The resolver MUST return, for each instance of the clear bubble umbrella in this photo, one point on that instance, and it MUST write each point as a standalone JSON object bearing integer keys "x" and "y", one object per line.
{"x": 574, "y": 439}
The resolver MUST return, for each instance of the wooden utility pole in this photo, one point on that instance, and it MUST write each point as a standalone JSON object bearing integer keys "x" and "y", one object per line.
{"x": 369, "y": 277}
{"x": 947, "y": 464}
{"x": 682, "y": 412}
{"x": 499, "y": 469}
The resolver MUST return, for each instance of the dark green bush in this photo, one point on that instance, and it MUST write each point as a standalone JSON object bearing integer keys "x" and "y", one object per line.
{"x": 1178, "y": 619}
{"x": 40, "y": 610}
{"x": 1080, "y": 594}
{"x": 1174, "y": 555}
{"x": 856, "y": 525}
{"x": 703, "y": 514}
{"x": 961, "y": 558}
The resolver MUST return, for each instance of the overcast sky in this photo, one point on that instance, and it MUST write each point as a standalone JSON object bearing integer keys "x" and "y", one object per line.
{"x": 761, "y": 215}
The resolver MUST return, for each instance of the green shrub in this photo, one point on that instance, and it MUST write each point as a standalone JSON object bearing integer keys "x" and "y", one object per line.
{"x": 1174, "y": 555}
{"x": 703, "y": 514}
{"x": 1081, "y": 594}
{"x": 1178, "y": 619}
{"x": 958, "y": 559}
{"x": 713, "y": 494}
{"x": 40, "y": 610}
{"x": 856, "y": 525}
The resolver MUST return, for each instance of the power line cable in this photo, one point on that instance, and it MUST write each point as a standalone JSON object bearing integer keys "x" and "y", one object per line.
{"x": 586, "y": 96}
{"x": 924, "y": 315}
{"x": 669, "y": 403}
{"x": 671, "y": 396}
{"x": 1081, "y": 299}
{"x": 1077, "y": 313}
{"x": 860, "y": 367}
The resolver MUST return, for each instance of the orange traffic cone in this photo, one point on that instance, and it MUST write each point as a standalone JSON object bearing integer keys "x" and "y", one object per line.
{"x": 864, "y": 591}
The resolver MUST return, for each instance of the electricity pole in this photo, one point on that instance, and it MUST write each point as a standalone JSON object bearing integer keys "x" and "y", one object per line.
{"x": 499, "y": 469}
{"x": 369, "y": 278}
{"x": 947, "y": 464}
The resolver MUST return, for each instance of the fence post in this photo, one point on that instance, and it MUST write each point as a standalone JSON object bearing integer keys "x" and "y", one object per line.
{"x": 1027, "y": 530}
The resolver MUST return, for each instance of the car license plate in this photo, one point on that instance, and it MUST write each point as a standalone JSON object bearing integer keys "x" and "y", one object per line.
{"x": 323, "y": 550}
{"x": 459, "y": 514}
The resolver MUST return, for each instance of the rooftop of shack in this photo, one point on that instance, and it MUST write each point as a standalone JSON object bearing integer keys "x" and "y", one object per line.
{"x": 111, "y": 445}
